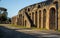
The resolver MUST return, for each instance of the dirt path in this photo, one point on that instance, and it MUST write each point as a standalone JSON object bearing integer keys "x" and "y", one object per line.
{"x": 25, "y": 33}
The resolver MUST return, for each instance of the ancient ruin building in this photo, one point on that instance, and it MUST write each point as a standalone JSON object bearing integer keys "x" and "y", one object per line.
{"x": 45, "y": 14}
{"x": 14, "y": 20}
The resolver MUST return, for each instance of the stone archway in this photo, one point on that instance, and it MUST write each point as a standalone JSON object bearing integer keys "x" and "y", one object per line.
{"x": 52, "y": 18}
{"x": 44, "y": 18}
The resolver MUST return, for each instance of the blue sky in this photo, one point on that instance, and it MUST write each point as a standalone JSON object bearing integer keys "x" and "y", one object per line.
{"x": 13, "y": 6}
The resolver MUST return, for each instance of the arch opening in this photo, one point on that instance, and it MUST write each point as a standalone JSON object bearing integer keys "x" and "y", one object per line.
{"x": 39, "y": 6}
{"x": 39, "y": 18}
{"x": 52, "y": 19}
{"x": 25, "y": 23}
{"x": 36, "y": 19}
{"x": 33, "y": 17}
{"x": 44, "y": 18}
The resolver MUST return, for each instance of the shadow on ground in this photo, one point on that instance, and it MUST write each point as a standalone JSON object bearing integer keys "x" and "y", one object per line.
{"x": 11, "y": 33}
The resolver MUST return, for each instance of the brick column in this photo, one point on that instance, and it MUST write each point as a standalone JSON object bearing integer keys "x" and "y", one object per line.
{"x": 38, "y": 20}
{"x": 34, "y": 17}
{"x": 47, "y": 20}
{"x": 41, "y": 19}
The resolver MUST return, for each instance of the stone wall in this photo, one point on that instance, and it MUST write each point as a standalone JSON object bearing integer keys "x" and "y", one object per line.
{"x": 43, "y": 15}
{"x": 14, "y": 20}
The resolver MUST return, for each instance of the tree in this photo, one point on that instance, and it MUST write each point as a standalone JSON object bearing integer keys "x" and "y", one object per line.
{"x": 9, "y": 19}
{"x": 3, "y": 14}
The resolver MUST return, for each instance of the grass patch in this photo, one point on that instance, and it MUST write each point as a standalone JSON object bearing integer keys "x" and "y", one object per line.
{"x": 39, "y": 28}
{"x": 21, "y": 26}
{"x": 33, "y": 28}
{"x": 58, "y": 30}
{"x": 18, "y": 26}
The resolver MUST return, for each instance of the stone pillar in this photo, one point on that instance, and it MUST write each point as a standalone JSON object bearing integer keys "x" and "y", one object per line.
{"x": 41, "y": 19}
{"x": 34, "y": 18}
{"x": 59, "y": 19}
{"x": 38, "y": 20}
{"x": 47, "y": 20}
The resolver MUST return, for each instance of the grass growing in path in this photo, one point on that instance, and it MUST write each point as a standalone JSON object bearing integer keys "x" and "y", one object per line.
{"x": 18, "y": 26}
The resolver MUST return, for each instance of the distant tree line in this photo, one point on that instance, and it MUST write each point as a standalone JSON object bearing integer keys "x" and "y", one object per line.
{"x": 4, "y": 16}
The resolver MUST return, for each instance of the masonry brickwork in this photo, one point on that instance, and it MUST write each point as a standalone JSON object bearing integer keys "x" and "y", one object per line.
{"x": 45, "y": 14}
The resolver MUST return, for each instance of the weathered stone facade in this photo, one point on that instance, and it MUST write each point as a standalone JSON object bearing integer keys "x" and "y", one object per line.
{"x": 14, "y": 20}
{"x": 41, "y": 15}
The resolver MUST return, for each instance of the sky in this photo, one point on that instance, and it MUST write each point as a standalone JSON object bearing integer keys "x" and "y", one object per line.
{"x": 13, "y": 6}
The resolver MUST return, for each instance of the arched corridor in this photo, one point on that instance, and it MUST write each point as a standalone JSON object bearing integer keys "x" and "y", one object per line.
{"x": 52, "y": 19}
